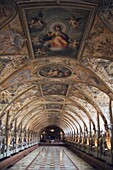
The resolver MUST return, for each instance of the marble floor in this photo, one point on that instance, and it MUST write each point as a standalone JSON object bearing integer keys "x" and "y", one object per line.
{"x": 51, "y": 158}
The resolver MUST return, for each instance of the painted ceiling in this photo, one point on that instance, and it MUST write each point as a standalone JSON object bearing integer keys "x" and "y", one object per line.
{"x": 56, "y": 64}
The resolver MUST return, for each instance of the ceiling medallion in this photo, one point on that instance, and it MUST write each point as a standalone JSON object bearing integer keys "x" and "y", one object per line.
{"x": 55, "y": 71}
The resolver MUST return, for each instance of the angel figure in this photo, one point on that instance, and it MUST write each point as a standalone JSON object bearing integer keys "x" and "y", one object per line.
{"x": 37, "y": 20}
{"x": 74, "y": 22}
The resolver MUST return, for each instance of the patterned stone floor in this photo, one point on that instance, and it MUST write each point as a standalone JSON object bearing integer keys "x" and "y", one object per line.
{"x": 51, "y": 158}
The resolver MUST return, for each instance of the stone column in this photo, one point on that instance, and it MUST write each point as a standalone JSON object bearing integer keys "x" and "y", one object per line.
{"x": 27, "y": 137}
{"x": 7, "y": 134}
{"x": 23, "y": 136}
{"x": 111, "y": 128}
{"x": 15, "y": 134}
{"x": 98, "y": 133}
{"x": 90, "y": 137}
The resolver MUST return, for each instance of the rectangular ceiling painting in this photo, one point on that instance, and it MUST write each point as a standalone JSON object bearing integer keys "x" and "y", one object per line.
{"x": 54, "y": 89}
{"x": 54, "y": 106}
{"x": 56, "y": 31}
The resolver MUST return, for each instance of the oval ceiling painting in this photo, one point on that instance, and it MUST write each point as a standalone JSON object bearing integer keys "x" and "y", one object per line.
{"x": 55, "y": 71}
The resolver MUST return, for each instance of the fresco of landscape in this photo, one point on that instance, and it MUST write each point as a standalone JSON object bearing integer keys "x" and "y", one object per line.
{"x": 56, "y": 31}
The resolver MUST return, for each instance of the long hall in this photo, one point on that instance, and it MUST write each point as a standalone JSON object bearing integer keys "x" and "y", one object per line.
{"x": 56, "y": 84}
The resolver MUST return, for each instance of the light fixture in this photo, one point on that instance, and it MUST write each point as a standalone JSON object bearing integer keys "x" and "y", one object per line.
{"x": 52, "y": 130}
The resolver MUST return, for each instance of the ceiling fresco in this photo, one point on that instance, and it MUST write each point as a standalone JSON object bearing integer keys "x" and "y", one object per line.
{"x": 106, "y": 15}
{"x": 7, "y": 13}
{"x": 54, "y": 98}
{"x": 54, "y": 89}
{"x": 56, "y": 65}
{"x": 55, "y": 71}
{"x": 102, "y": 67}
{"x": 53, "y": 117}
{"x": 12, "y": 40}
{"x": 54, "y": 106}
{"x": 100, "y": 41}
{"x": 56, "y": 31}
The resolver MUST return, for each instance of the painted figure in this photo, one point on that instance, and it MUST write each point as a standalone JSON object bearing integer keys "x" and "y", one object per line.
{"x": 37, "y": 20}
{"x": 11, "y": 41}
{"x": 56, "y": 40}
{"x": 73, "y": 22}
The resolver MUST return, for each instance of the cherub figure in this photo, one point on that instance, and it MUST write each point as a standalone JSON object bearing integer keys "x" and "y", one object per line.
{"x": 37, "y": 20}
{"x": 73, "y": 22}
{"x": 74, "y": 44}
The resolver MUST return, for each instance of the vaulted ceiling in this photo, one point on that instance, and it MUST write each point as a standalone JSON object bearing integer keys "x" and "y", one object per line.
{"x": 56, "y": 64}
